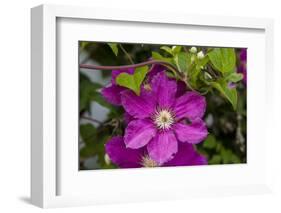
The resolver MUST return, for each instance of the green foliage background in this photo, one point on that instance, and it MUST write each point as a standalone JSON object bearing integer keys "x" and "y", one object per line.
{"x": 226, "y": 109}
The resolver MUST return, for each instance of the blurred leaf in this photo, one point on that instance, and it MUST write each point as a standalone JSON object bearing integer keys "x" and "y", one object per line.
{"x": 216, "y": 159}
{"x": 210, "y": 142}
{"x": 94, "y": 139}
{"x": 229, "y": 157}
{"x": 229, "y": 93}
{"x": 235, "y": 159}
{"x": 114, "y": 48}
{"x": 87, "y": 132}
{"x": 100, "y": 147}
{"x": 87, "y": 151}
{"x": 234, "y": 77}
{"x": 87, "y": 90}
{"x": 223, "y": 59}
{"x": 226, "y": 155}
{"x": 133, "y": 81}
{"x": 219, "y": 147}
{"x": 97, "y": 97}
{"x": 83, "y": 44}
{"x": 202, "y": 62}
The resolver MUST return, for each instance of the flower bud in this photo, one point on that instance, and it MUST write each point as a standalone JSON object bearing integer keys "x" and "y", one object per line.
{"x": 200, "y": 55}
{"x": 193, "y": 50}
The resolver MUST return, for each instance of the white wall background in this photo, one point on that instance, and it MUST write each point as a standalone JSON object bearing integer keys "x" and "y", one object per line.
{"x": 15, "y": 105}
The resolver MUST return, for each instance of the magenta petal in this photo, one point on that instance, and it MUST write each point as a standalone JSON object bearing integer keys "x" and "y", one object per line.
{"x": 181, "y": 88}
{"x": 193, "y": 133}
{"x": 112, "y": 94}
{"x": 243, "y": 54}
{"x": 191, "y": 105}
{"x": 164, "y": 89}
{"x": 127, "y": 118}
{"x": 162, "y": 147}
{"x": 122, "y": 156}
{"x": 187, "y": 156}
{"x": 155, "y": 69}
{"x": 149, "y": 96}
{"x": 137, "y": 106}
{"x": 138, "y": 133}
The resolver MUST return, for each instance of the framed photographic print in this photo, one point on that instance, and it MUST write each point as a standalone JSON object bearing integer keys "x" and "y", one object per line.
{"x": 136, "y": 106}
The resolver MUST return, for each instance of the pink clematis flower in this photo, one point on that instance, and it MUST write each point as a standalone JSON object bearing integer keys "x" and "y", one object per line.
{"x": 136, "y": 158}
{"x": 162, "y": 120}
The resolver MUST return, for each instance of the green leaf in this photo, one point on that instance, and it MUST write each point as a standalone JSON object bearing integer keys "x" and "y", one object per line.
{"x": 229, "y": 93}
{"x": 176, "y": 49}
{"x": 157, "y": 56}
{"x": 134, "y": 81}
{"x": 167, "y": 49}
{"x": 223, "y": 59}
{"x": 181, "y": 61}
{"x": 234, "y": 77}
{"x": 114, "y": 48}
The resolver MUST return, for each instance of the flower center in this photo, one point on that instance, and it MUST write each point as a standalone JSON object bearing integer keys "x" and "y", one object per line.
{"x": 148, "y": 162}
{"x": 163, "y": 119}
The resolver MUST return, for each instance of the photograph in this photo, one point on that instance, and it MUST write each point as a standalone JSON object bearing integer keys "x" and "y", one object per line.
{"x": 154, "y": 105}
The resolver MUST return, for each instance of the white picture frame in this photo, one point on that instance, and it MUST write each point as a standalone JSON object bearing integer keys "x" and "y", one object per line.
{"x": 54, "y": 184}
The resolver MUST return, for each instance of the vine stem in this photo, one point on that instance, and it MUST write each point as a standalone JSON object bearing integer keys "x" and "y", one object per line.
{"x": 124, "y": 67}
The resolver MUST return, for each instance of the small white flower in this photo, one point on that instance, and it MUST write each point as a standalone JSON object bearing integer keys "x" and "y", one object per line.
{"x": 200, "y": 55}
{"x": 193, "y": 50}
